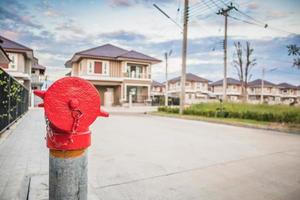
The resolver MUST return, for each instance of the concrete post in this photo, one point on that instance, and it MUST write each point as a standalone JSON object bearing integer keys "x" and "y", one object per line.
{"x": 68, "y": 175}
{"x": 130, "y": 100}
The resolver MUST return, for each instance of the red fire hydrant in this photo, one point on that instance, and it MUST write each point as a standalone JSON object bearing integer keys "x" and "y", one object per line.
{"x": 71, "y": 105}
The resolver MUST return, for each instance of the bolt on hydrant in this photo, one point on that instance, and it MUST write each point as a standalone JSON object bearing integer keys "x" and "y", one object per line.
{"x": 71, "y": 105}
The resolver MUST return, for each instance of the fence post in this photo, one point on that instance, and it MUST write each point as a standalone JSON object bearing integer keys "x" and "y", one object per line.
{"x": 8, "y": 114}
{"x": 71, "y": 105}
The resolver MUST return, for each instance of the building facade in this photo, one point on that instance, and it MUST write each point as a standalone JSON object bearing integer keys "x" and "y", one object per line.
{"x": 21, "y": 61}
{"x": 233, "y": 91}
{"x": 196, "y": 88}
{"x": 118, "y": 74}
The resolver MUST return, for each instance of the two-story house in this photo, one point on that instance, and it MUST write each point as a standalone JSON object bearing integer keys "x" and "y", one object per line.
{"x": 116, "y": 73}
{"x": 37, "y": 75}
{"x": 158, "y": 91}
{"x": 4, "y": 59}
{"x": 233, "y": 91}
{"x": 196, "y": 88}
{"x": 270, "y": 92}
{"x": 21, "y": 61}
{"x": 288, "y": 93}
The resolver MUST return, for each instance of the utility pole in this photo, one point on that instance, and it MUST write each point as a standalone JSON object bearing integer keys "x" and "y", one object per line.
{"x": 224, "y": 12}
{"x": 184, "y": 50}
{"x": 262, "y": 86}
{"x": 166, "y": 85}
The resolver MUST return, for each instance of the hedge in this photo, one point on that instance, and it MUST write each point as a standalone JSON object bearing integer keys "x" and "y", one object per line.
{"x": 268, "y": 113}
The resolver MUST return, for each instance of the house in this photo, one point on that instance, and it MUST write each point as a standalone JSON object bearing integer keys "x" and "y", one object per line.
{"x": 21, "y": 61}
{"x": 4, "y": 59}
{"x": 37, "y": 75}
{"x": 233, "y": 91}
{"x": 270, "y": 92}
{"x": 115, "y": 72}
{"x": 288, "y": 93}
{"x": 157, "y": 92}
{"x": 196, "y": 88}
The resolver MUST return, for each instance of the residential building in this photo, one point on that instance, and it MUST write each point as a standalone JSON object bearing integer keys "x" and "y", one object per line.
{"x": 37, "y": 75}
{"x": 288, "y": 93}
{"x": 21, "y": 61}
{"x": 270, "y": 92}
{"x": 4, "y": 59}
{"x": 157, "y": 93}
{"x": 116, "y": 73}
{"x": 196, "y": 88}
{"x": 233, "y": 91}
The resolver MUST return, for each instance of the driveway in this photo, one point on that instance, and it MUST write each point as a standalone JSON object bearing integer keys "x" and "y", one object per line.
{"x": 141, "y": 157}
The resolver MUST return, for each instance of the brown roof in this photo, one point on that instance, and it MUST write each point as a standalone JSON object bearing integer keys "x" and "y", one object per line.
{"x": 112, "y": 52}
{"x": 286, "y": 86}
{"x": 257, "y": 83}
{"x": 9, "y": 44}
{"x": 157, "y": 84}
{"x": 189, "y": 77}
{"x": 230, "y": 81}
{"x": 38, "y": 66}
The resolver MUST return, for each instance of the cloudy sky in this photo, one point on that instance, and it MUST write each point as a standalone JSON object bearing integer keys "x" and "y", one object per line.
{"x": 56, "y": 29}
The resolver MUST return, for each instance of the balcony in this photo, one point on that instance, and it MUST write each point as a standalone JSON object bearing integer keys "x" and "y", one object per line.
{"x": 135, "y": 75}
{"x": 37, "y": 79}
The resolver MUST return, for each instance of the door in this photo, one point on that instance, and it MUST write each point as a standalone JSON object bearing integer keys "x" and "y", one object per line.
{"x": 109, "y": 97}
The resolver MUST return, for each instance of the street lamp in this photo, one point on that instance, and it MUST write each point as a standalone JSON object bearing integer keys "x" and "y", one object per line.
{"x": 166, "y": 87}
{"x": 262, "y": 83}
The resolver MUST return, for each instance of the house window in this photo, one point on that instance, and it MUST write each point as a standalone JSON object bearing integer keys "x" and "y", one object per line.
{"x": 98, "y": 67}
{"x": 14, "y": 61}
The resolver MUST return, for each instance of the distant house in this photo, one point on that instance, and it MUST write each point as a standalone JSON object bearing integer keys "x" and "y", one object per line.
{"x": 288, "y": 93}
{"x": 115, "y": 72}
{"x": 233, "y": 89}
{"x": 270, "y": 92}
{"x": 196, "y": 88}
{"x": 4, "y": 59}
{"x": 37, "y": 75}
{"x": 21, "y": 61}
{"x": 157, "y": 92}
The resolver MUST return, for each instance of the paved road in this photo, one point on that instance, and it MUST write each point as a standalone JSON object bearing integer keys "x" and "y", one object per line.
{"x": 140, "y": 157}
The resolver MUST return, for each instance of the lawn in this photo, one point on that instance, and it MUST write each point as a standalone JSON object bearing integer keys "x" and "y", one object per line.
{"x": 270, "y": 116}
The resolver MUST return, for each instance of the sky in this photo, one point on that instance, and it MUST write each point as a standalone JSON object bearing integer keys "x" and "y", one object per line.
{"x": 56, "y": 29}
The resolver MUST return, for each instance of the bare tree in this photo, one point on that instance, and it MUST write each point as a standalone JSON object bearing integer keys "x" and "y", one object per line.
{"x": 243, "y": 68}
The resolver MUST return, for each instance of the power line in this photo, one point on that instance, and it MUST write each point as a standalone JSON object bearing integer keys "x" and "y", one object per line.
{"x": 165, "y": 14}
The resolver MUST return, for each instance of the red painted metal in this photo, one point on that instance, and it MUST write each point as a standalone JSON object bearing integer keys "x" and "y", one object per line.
{"x": 71, "y": 105}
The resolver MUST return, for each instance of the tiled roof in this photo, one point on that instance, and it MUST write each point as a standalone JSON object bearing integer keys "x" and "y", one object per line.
{"x": 190, "y": 77}
{"x": 286, "y": 85}
{"x": 111, "y": 51}
{"x": 230, "y": 81}
{"x": 9, "y": 44}
{"x": 257, "y": 83}
{"x": 158, "y": 84}
{"x": 38, "y": 66}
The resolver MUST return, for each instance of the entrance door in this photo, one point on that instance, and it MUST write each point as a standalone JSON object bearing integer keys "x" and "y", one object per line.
{"x": 109, "y": 97}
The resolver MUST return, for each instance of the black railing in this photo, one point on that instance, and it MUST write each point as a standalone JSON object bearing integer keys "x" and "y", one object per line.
{"x": 14, "y": 100}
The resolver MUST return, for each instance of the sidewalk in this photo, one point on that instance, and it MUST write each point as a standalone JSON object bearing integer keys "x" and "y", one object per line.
{"x": 22, "y": 153}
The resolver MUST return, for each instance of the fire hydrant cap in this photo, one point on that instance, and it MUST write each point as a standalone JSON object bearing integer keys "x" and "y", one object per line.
{"x": 72, "y": 94}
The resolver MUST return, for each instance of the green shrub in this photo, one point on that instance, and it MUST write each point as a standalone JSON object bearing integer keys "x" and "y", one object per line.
{"x": 268, "y": 113}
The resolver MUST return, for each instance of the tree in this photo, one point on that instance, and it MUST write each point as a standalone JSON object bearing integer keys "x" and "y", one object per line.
{"x": 294, "y": 50}
{"x": 243, "y": 67}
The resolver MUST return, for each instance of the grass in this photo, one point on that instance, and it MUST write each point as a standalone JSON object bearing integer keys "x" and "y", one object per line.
{"x": 275, "y": 117}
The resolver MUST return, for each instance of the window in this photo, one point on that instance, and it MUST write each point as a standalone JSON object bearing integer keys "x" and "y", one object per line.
{"x": 14, "y": 61}
{"x": 98, "y": 67}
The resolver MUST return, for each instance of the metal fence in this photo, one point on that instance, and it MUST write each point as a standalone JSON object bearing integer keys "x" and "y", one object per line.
{"x": 14, "y": 100}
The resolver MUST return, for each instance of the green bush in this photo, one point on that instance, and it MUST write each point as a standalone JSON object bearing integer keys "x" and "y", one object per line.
{"x": 268, "y": 113}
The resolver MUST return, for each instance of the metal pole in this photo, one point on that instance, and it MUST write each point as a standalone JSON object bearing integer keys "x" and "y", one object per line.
{"x": 262, "y": 86}
{"x": 68, "y": 175}
{"x": 225, "y": 60}
{"x": 166, "y": 87}
{"x": 184, "y": 50}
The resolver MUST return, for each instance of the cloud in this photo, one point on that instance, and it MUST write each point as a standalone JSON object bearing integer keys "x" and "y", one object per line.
{"x": 71, "y": 27}
{"x": 13, "y": 17}
{"x": 252, "y": 6}
{"x": 121, "y": 3}
{"x": 122, "y": 36}
{"x": 130, "y": 3}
